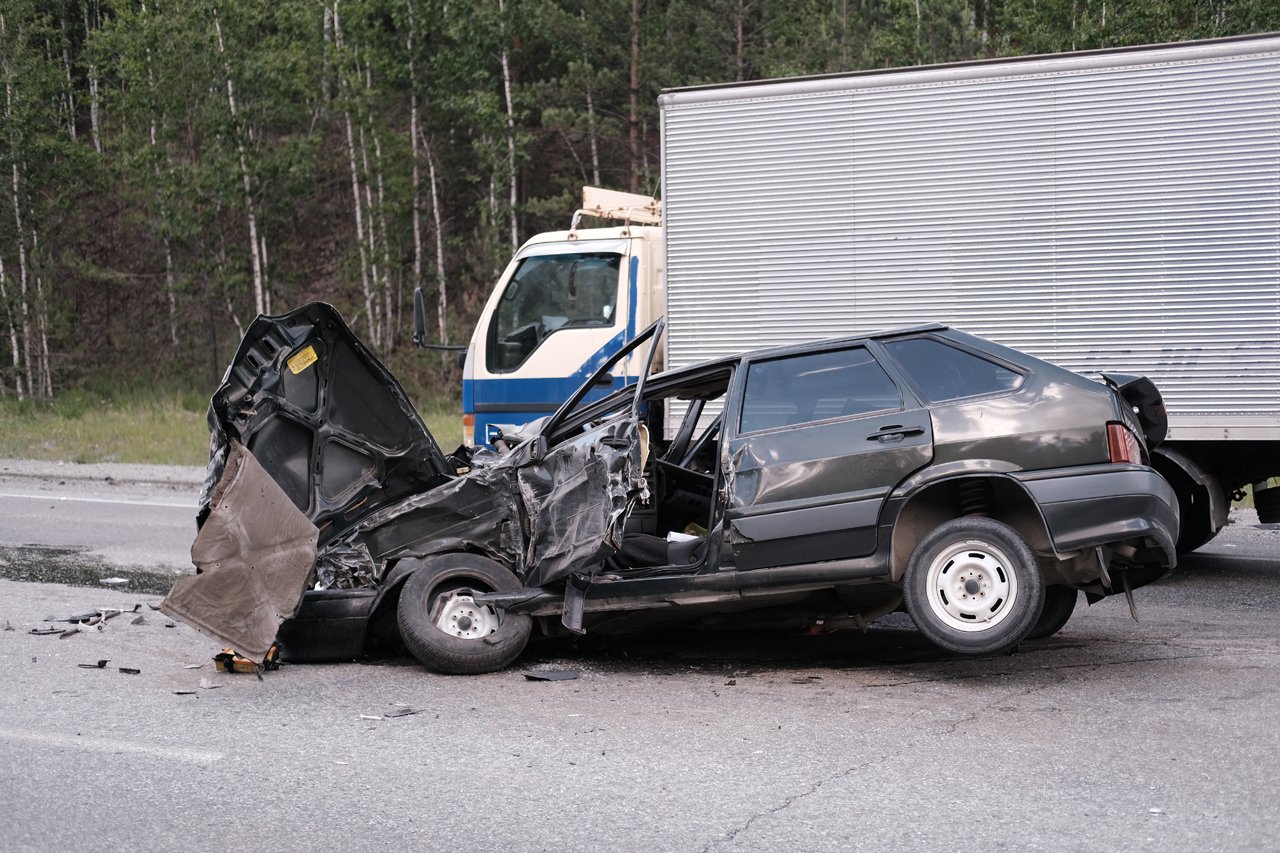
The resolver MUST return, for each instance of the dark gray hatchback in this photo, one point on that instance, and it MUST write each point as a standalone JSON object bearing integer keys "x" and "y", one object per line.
{"x": 924, "y": 469}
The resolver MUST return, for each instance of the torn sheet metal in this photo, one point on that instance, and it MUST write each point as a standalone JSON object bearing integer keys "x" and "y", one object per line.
{"x": 253, "y": 557}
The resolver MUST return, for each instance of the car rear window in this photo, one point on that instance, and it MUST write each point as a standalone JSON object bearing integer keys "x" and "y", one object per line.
{"x": 815, "y": 387}
{"x": 944, "y": 372}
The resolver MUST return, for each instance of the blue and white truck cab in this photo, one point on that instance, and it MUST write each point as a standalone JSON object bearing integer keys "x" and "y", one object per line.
{"x": 565, "y": 304}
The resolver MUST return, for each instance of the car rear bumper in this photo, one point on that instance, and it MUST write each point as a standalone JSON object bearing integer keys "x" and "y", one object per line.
{"x": 1105, "y": 504}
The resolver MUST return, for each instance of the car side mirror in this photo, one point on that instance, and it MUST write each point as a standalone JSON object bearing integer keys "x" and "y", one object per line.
{"x": 419, "y": 318}
{"x": 538, "y": 449}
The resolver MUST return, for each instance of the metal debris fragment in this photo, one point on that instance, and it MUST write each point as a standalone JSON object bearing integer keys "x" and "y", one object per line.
{"x": 552, "y": 675}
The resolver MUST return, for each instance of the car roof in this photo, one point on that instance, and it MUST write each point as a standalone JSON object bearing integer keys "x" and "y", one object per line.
{"x": 729, "y": 361}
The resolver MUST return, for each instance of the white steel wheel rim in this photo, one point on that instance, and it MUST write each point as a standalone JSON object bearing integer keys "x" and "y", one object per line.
{"x": 458, "y": 615}
{"x": 971, "y": 587}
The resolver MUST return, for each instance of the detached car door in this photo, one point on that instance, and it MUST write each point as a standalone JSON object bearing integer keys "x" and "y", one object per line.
{"x": 817, "y": 440}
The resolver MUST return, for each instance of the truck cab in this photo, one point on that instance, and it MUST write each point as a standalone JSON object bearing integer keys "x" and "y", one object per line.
{"x": 566, "y": 303}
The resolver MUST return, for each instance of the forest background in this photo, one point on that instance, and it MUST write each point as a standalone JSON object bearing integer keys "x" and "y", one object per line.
{"x": 171, "y": 168}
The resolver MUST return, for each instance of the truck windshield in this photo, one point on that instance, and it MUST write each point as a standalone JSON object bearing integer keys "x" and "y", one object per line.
{"x": 549, "y": 293}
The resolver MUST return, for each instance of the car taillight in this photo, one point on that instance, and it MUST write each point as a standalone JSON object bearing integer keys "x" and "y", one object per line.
{"x": 1123, "y": 444}
{"x": 469, "y": 430}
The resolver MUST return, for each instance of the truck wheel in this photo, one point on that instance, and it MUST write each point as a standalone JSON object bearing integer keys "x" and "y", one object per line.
{"x": 443, "y": 626}
{"x": 973, "y": 586}
{"x": 1059, "y": 604}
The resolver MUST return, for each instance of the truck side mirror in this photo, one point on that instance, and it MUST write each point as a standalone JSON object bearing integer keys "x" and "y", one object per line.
{"x": 419, "y": 318}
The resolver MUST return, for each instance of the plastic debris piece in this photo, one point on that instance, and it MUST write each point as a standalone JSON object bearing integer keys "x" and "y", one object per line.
{"x": 128, "y": 670}
{"x": 402, "y": 712}
{"x": 78, "y": 618}
{"x": 102, "y": 664}
{"x": 229, "y": 660}
{"x": 43, "y": 631}
{"x": 184, "y": 693}
{"x": 68, "y": 633}
{"x": 170, "y": 625}
{"x": 114, "y": 580}
{"x": 7, "y": 626}
{"x": 153, "y": 606}
{"x": 206, "y": 684}
{"x": 193, "y": 666}
{"x": 370, "y": 717}
{"x": 138, "y": 620}
{"x": 552, "y": 675}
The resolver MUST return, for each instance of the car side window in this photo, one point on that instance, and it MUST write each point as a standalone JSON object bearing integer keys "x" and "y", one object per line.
{"x": 944, "y": 372}
{"x": 815, "y": 387}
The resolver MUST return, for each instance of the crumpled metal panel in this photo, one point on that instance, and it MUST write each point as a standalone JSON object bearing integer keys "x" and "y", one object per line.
{"x": 544, "y": 520}
{"x": 576, "y": 501}
{"x": 253, "y": 556}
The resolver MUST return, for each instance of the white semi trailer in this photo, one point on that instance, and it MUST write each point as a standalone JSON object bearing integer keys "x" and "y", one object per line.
{"x": 1111, "y": 211}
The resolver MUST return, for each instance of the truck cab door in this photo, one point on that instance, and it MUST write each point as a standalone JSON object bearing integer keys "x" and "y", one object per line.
{"x": 559, "y": 311}
{"x": 817, "y": 442}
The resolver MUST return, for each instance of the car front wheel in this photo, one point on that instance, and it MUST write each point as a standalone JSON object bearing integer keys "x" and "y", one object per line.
{"x": 972, "y": 586}
{"x": 445, "y": 628}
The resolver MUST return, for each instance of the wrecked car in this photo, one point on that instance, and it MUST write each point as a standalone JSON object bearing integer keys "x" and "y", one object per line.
{"x": 827, "y": 484}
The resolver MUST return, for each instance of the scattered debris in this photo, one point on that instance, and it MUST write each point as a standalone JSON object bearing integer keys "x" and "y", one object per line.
{"x": 732, "y": 682}
{"x": 138, "y": 620}
{"x": 7, "y": 626}
{"x": 68, "y": 633}
{"x": 128, "y": 670}
{"x": 102, "y": 664}
{"x": 184, "y": 693}
{"x": 370, "y": 717}
{"x": 206, "y": 684}
{"x": 40, "y": 632}
{"x": 402, "y": 712}
{"x": 153, "y": 606}
{"x": 170, "y": 625}
{"x": 552, "y": 675}
{"x": 193, "y": 666}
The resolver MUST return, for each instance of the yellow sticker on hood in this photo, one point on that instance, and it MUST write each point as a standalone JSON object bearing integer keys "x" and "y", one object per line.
{"x": 302, "y": 359}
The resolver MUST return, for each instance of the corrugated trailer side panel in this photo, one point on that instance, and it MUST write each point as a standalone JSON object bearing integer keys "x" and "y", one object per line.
{"x": 1115, "y": 211}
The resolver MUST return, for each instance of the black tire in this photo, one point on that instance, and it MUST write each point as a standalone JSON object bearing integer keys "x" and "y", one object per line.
{"x": 973, "y": 586}
{"x": 483, "y": 639}
{"x": 1059, "y": 604}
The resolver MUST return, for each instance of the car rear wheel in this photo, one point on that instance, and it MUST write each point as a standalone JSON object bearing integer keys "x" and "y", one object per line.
{"x": 1059, "y": 604}
{"x": 972, "y": 586}
{"x": 444, "y": 627}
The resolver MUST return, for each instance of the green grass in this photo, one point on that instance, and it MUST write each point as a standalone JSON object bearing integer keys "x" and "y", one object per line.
{"x": 143, "y": 425}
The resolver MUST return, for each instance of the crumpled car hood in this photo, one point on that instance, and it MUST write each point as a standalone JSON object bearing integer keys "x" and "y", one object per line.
{"x": 326, "y": 420}
{"x": 322, "y": 473}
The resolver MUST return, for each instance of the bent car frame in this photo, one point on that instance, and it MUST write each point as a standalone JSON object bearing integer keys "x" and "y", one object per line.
{"x": 924, "y": 469}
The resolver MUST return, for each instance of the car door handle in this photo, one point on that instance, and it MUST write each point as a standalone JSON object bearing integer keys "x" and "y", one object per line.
{"x": 894, "y": 432}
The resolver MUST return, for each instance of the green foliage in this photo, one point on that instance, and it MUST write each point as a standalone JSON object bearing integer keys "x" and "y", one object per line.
{"x": 143, "y": 249}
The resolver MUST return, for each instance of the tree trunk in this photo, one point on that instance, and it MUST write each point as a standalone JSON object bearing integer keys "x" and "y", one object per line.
{"x": 633, "y": 115}
{"x": 255, "y": 253}
{"x": 357, "y": 196}
{"x": 511, "y": 130}
{"x": 24, "y": 296}
{"x": 442, "y": 302}
{"x": 416, "y": 177}
{"x": 95, "y": 119}
{"x": 13, "y": 336}
{"x": 592, "y": 138}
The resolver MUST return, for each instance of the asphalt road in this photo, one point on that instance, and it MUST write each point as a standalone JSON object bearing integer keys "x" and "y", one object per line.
{"x": 1113, "y": 735}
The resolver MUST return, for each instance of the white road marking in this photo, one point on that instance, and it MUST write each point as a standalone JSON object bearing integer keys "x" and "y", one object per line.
{"x": 189, "y": 505}
{"x": 94, "y": 744}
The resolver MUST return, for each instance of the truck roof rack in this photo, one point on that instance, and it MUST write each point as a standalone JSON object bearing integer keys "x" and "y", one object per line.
{"x": 611, "y": 204}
